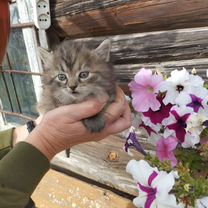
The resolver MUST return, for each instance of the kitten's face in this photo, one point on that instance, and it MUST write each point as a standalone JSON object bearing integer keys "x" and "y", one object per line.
{"x": 75, "y": 73}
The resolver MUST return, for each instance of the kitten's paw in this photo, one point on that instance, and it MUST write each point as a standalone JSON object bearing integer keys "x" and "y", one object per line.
{"x": 94, "y": 124}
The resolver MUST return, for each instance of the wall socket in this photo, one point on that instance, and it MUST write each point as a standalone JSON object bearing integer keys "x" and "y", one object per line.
{"x": 42, "y": 15}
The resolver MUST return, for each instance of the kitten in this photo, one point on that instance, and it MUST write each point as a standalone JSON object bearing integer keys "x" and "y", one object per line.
{"x": 74, "y": 73}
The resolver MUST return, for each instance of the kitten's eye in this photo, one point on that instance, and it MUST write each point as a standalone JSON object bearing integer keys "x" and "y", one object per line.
{"x": 83, "y": 74}
{"x": 62, "y": 77}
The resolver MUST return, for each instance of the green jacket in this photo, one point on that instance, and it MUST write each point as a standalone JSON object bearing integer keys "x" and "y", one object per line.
{"x": 21, "y": 169}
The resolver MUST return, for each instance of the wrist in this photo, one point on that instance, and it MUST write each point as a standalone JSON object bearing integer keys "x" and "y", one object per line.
{"x": 37, "y": 139}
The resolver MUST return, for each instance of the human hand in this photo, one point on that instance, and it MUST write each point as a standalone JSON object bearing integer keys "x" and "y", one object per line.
{"x": 62, "y": 128}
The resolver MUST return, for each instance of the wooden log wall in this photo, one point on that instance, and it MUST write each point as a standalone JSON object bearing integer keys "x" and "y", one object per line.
{"x": 78, "y": 18}
{"x": 155, "y": 34}
{"x": 166, "y": 50}
{"x": 165, "y": 34}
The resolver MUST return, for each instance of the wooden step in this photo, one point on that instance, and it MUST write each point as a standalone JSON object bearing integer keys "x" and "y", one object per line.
{"x": 57, "y": 190}
{"x": 103, "y": 162}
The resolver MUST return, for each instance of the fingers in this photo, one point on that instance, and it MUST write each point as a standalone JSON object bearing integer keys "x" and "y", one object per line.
{"x": 38, "y": 119}
{"x": 116, "y": 109}
{"x": 86, "y": 109}
{"x": 122, "y": 123}
{"x": 79, "y": 111}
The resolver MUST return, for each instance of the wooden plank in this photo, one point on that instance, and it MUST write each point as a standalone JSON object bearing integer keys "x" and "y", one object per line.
{"x": 126, "y": 72}
{"x": 155, "y": 47}
{"x": 166, "y": 50}
{"x": 92, "y": 19}
{"x": 57, "y": 190}
{"x": 61, "y": 8}
{"x": 92, "y": 160}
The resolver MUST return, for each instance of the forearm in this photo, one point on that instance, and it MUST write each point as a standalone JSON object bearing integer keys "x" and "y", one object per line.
{"x": 22, "y": 168}
{"x": 37, "y": 139}
{"x": 6, "y": 140}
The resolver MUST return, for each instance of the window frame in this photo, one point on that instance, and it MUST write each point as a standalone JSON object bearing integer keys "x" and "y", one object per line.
{"x": 32, "y": 39}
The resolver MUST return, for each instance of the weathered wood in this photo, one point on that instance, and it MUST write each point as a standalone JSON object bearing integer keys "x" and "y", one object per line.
{"x": 105, "y": 17}
{"x": 162, "y": 46}
{"x": 166, "y": 50}
{"x": 125, "y": 73}
{"x": 61, "y": 7}
{"x": 57, "y": 190}
{"x": 92, "y": 160}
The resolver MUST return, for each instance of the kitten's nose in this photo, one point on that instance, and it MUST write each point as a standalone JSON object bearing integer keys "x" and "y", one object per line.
{"x": 73, "y": 87}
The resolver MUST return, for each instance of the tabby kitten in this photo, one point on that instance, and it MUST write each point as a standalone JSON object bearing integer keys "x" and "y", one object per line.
{"x": 74, "y": 73}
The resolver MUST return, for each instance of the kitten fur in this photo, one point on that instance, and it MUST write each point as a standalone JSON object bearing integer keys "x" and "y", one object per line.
{"x": 74, "y": 73}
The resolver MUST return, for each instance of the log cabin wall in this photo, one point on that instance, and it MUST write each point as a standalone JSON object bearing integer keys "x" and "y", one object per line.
{"x": 155, "y": 34}
{"x": 165, "y": 34}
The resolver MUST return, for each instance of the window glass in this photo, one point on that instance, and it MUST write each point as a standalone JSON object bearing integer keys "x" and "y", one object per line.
{"x": 14, "y": 14}
{"x": 26, "y": 93}
{"x": 17, "y": 51}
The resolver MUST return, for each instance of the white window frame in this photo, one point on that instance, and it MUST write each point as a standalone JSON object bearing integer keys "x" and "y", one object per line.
{"x": 30, "y": 39}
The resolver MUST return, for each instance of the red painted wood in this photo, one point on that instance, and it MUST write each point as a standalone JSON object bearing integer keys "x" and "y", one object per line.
{"x": 4, "y": 27}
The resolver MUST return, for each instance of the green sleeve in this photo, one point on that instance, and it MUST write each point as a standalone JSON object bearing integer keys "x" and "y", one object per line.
{"x": 5, "y": 142}
{"x": 20, "y": 172}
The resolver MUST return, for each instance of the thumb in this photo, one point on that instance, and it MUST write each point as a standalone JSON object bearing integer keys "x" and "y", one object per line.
{"x": 85, "y": 109}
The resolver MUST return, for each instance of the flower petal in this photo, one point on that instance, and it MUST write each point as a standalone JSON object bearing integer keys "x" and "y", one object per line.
{"x": 143, "y": 102}
{"x": 140, "y": 170}
{"x": 190, "y": 141}
{"x": 143, "y": 76}
{"x": 167, "y": 201}
{"x": 164, "y": 182}
{"x": 202, "y": 203}
{"x": 139, "y": 201}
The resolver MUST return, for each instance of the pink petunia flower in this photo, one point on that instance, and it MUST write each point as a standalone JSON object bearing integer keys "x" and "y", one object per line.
{"x": 165, "y": 148}
{"x": 144, "y": 90}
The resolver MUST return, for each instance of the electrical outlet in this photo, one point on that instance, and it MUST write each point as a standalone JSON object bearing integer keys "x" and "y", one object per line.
{"x": 43, "y": 21}
{"x": 43, "y": 6}
{"x": 42, "y": 14}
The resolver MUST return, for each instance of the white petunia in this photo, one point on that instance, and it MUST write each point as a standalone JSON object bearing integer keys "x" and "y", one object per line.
{"x": 194, "y": 123}
{"x": 202, "y": 203}
{"x": 179, "y": 85}
{"x": 176, "y": 84}
{"x": 190, "y": 140}
{"x": 153, "y": 185}
{"x": 199, "y": 92}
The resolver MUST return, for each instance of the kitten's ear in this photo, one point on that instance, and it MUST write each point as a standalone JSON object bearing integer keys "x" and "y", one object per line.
{"x": 44, "y": 54}
{"x": 103, "y": 50}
